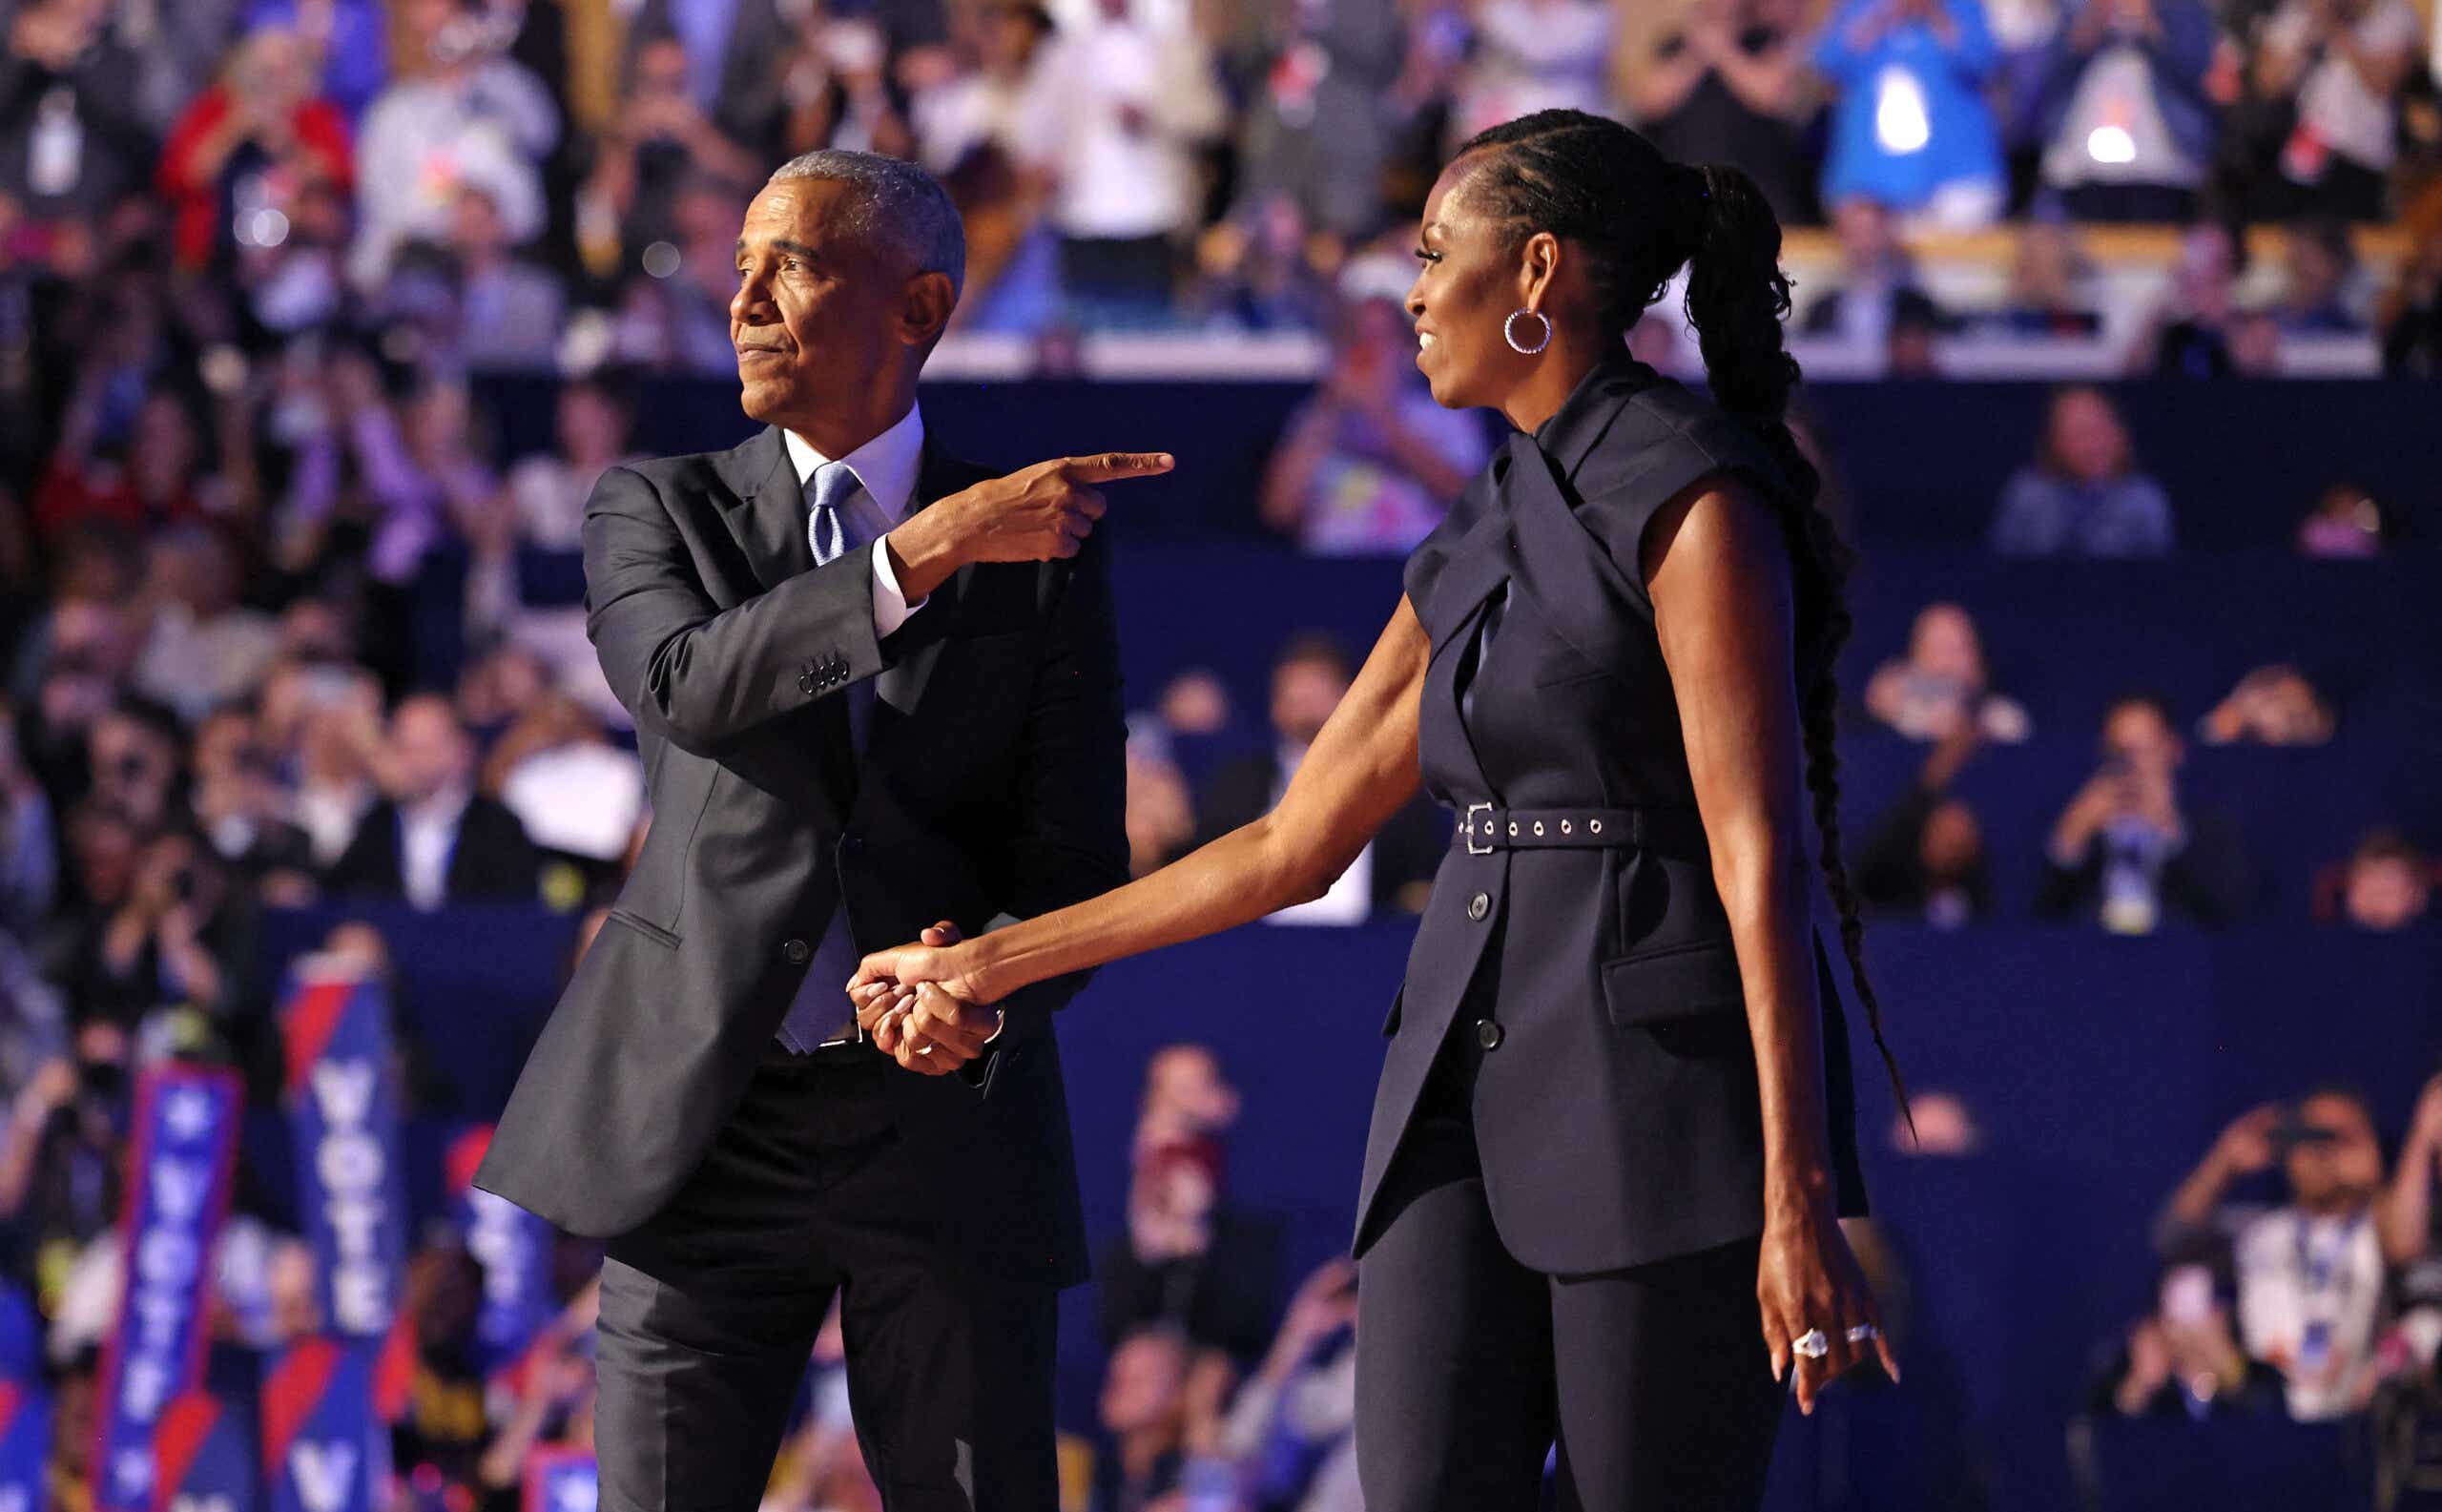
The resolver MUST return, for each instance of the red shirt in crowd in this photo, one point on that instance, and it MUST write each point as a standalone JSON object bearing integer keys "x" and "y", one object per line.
{"x": 321, "y": 143}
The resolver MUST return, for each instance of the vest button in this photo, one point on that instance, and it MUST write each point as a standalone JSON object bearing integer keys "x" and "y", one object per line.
{"x": 796, "y": 952}
{"x": 1480, "y": 905}
{"x": 1488, "y": 1034}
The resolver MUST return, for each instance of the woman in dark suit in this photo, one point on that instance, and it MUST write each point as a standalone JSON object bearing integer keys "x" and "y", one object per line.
{"x": 1614, "y": 1132}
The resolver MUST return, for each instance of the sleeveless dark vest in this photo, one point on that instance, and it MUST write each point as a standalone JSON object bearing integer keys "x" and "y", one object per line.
{"x": 1618, "y": 1120}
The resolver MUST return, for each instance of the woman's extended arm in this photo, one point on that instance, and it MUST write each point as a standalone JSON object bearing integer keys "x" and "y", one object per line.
{"x": 1723, "y": 606}
{"x": 1362, "y": 768}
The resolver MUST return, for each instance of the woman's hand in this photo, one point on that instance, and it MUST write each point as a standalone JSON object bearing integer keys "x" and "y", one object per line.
{"x": 921, "y": 1005}
{"x": 1807, "y": 1280}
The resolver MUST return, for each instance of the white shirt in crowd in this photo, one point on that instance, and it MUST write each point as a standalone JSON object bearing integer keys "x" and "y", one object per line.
{"x": 1116, "y": 181}
{"x": 2333, "y": 101}
{"x": 2310, "y": 1292}
{"x": 427, "y": 837}
{"x": 426, "y": 138}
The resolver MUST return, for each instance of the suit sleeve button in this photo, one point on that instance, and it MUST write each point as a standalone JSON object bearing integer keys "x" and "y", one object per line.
{"x": 1479, "y": 907}
{"x": 796, "y": 952}
{"x": 806, "y": 683}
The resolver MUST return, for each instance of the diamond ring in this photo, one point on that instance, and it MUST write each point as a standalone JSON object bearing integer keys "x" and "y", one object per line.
{"x": 1863, "y": 1332}
{"x": 1811, "y": 1344}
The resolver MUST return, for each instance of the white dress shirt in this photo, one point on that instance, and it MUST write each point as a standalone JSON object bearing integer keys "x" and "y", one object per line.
{"x": 886, "y": 467}
{"x": 427, "y": 837}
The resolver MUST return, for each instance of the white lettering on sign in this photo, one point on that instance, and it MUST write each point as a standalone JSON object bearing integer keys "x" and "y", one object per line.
{"x": 185, "y": 1502}
{"x": 323, "y": 1473}
{"x": 354, "y": 1170}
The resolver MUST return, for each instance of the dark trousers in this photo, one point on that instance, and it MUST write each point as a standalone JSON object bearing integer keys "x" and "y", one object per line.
{"x": 1653, "y": 1380}
{"x": 709, "y": 1310}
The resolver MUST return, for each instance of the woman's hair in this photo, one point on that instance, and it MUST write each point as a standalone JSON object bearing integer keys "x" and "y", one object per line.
{"x": 1637, "y": 218}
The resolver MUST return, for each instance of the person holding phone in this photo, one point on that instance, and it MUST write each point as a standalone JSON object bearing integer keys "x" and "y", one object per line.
{"x": 2127, "y": 851}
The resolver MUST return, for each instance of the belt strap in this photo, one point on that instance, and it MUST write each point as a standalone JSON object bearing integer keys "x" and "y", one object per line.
{"x": 1484, "y": 828}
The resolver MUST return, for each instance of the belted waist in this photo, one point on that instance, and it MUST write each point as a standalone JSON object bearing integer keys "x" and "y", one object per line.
{"x": 1485, "y": 827}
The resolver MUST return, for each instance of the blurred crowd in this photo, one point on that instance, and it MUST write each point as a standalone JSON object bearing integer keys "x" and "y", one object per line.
{"x": 253, "y": 252}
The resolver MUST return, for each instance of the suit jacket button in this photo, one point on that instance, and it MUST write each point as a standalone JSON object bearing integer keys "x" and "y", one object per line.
{"x": 1488, "y": 1034}
{"x": 796, "y": 953}
{"x": 1478, "y": 905}
{"x": 855, "y": 845}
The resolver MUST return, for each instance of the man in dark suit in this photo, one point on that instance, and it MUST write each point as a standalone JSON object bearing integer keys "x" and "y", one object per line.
{"x": 1394, "y": 874}
{"x": 434, "y": 840}
{"x": 868, "y": 681}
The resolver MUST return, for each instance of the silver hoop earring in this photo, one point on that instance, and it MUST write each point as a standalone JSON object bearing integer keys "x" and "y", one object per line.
{"x": 1509, "y": 332}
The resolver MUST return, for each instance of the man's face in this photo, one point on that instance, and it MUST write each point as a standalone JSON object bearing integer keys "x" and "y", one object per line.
{"x": 2137, "y": 733}
{"x": 820, "y": 315}
{"x": 1303, "y": 695}
{"x": 2341, "y": 1167}
{"x": 429, "y": 751}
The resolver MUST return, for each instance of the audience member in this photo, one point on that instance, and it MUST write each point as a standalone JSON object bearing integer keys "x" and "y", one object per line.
{"x": 1877, "y": 281}
{"x": 463, "y": 114}
{"x": 2385, "y": 886}
{"x": 2126, "y": 118}
{"x": 1924, "y": 857}
{"x": 2346, "y": 522}
{"x": 250, "y": 145}
{"x": 205, "y": 649}
{"x": 2411, "y": 323}
{"x": 2343, "y": 62}
{"x": 2052, "y": 287}
{"x": 1188, "y": 1098}
{"x": 2310, "y": 1271}
{"x": 433, "y": 838}
{"x": 2128, "y": 850}
{"x": 1723, "y": 85}
{"x": 1532, "y": 56}
{"x": 2183, "y": 1361}
{"x": 71, "y": 140}
{"x": 2189, "y": 337}
{"x": 2271, "y": 705}
{"x": 1942, "y": 684}
{"x": 510, "y": 310}
{"x": 1144, "y": 1421}
{"x": 1291, "y": 1429}
{"x": 1910, "y": 130}
{"x": 1393, "y": 873}
{"x": 1161, "y": 809}
{"x": 1368, "y": 465}
{"x": 1126, "y": 99}
{"x": 2314, "y": 295}
{"x": 2083, "y": 496}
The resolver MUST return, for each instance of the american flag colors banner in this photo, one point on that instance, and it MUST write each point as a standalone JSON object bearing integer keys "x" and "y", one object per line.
{"x": 204, "y": 1457}
{"x": 324, "y": 1447}
{"x": 179, "y": 1162}
{"x": 560, "y": 1480}
{"x": 343, "y": 1115}
{"x": 515, "y": 1249}
{"x": 24, "y": 1448}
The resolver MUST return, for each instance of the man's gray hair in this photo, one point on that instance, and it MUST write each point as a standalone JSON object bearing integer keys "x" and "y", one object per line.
{"x": 895, "y": 203}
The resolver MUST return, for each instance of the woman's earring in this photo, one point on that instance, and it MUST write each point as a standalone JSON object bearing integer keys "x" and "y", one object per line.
{"x": 1509, "y": 332}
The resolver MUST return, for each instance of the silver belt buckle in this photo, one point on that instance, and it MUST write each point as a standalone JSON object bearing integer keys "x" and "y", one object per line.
{"x": 1471, "y": 829}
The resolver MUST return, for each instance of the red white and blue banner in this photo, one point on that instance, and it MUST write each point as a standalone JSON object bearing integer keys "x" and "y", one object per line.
{"x": 183, "y": 1146}
{"x": 351, "y": 1159}
{"x": 204, "y": 1457}
{"x": 24, "y": 1448}
{"x": 560, "y": 1480}
{"x": 324, "y": 1449}
{"x": 513, "y": 1246}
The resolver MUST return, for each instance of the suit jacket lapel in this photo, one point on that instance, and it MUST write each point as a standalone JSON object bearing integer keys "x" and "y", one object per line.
{"x": 766, "y": 509}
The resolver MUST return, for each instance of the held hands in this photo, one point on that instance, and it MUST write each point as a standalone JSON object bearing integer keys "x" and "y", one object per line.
{"x": 1807, "y": 1282}
{"x": 919, "y": 1010}
{"x": 1041, "y": 513}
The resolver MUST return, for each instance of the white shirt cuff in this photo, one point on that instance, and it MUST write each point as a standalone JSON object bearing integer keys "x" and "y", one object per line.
{"x": 891, "y": 609}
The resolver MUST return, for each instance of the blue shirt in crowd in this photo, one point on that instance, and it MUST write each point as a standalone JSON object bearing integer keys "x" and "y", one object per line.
{"x": 1910, "y": 117}
{"x": 2043, "y": 514}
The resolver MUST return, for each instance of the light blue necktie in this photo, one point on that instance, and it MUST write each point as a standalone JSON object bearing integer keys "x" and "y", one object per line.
{"x": 821, "y": 1010}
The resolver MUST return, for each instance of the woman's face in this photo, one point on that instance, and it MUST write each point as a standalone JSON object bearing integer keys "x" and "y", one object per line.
{"x": 1470, "y": 280}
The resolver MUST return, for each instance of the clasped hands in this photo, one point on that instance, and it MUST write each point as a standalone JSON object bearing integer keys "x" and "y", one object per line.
{"x": 919, "y": 1009}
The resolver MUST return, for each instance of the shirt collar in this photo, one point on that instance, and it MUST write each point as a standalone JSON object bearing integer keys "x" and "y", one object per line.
{"x": 887, "y": 465}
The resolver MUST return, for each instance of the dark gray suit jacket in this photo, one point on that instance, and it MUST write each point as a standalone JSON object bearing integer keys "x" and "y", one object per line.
{"x": 991, "y": 786}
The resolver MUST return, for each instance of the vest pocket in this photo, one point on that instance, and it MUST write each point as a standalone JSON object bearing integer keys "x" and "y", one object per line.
{"x": 1674, "y": 981}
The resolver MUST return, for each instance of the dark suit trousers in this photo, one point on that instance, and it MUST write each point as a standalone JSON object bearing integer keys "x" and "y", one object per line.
{"x": 1654, "y": 1381}
{"x": 709, "y": 1310}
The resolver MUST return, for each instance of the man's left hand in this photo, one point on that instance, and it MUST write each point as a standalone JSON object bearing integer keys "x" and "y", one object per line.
{"x": 925, "y": 1026}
